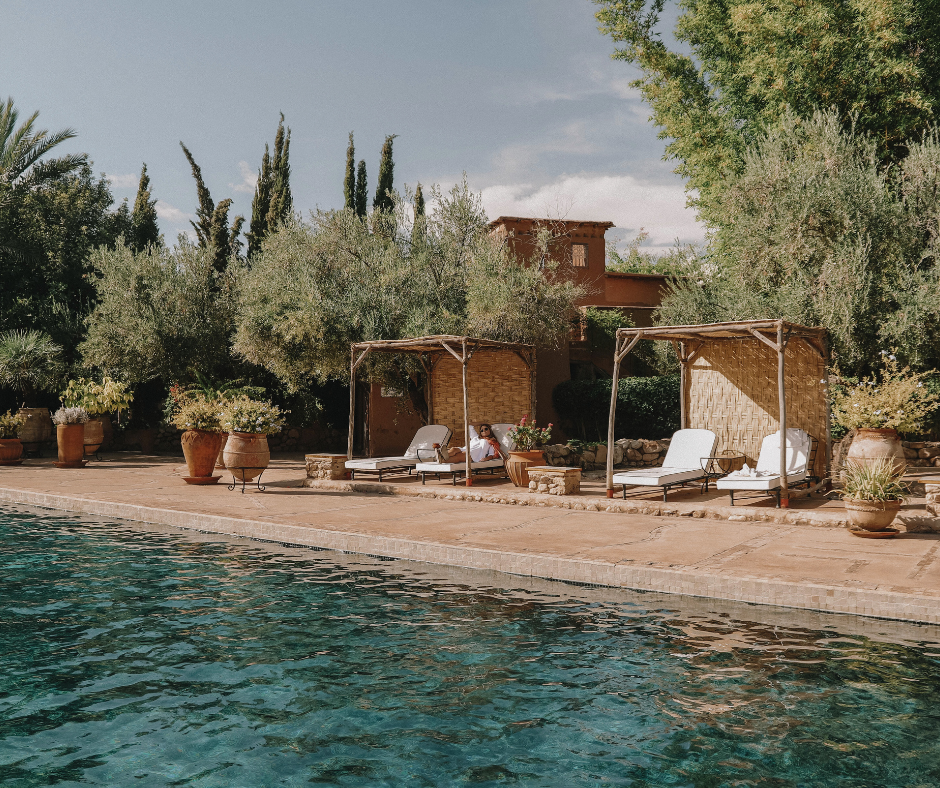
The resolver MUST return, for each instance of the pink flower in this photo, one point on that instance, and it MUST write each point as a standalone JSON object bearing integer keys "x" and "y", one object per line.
{"x": 523, "y": 420}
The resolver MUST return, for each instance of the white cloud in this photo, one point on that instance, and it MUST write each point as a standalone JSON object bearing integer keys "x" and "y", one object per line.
{"x": 249, "y": 179}
{"x": 123, "y": 181}
{"x": 171, "y": 214}
{"x": 624, "y": 200}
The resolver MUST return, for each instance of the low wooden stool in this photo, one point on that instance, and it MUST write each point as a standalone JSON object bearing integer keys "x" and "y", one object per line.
{"x": 554, "y": 480}
{"x": 326, "y": 466}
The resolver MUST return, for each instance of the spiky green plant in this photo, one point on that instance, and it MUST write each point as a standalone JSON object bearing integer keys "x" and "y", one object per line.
{"x": 877, "y": 481}
{"x": 30, "y": 362}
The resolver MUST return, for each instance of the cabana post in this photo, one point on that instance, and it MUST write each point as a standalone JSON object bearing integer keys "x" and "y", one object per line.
{"x": 724, "y": 385}
{"x": 509, "y": 364}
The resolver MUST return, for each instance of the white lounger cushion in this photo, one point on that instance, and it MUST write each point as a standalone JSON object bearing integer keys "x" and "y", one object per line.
{"x": 767, "y": 473}
{"x": 423, "y": 441}
{"x": 657, "y": 477}
{"x": 683, "y": 461}
{"x": 456, "y": 467}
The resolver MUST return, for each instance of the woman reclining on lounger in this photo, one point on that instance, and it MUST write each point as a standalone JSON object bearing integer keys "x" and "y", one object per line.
{"x": 483, "y": 446}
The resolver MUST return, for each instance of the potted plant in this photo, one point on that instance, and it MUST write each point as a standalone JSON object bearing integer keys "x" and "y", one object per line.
{"x": 248, "y": 423}
{"x": 526, "y": 435}
{"x": 879, "y": 407}
{"x": 70, "y": 436}
{"x": 202, "y": 438}
{"x": 873, "y": 494}
{"x": 30, "y": 364}
{"x": 98, "y": 400}
{"x": 11, "y": 448}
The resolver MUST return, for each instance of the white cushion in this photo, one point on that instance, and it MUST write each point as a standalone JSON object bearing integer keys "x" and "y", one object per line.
{"x": 380, "y": 463}
{"x": 798, "y": 446}
{"x": 426, "y": 437}
{"x": 657, "y": 477}
{"x": 689, "y": 447}
{"x": 757, "y": 482}
{"x": 501, "y": 433}
{"x": 450, "y": 467}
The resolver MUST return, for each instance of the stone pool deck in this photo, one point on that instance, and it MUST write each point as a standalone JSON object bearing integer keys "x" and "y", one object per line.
{"x": 775, "y": 561}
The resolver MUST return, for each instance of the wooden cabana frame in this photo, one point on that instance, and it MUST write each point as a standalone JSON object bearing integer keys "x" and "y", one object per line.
{"x": 766, "y": 339}
{"x": 430, "y": 351}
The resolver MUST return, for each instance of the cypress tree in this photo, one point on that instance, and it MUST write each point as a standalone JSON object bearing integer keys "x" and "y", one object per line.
{"x": 219, "y": 235}
{"x": 383, "y": 197}
{"x": 349, "y": 183}
{"x": 417, "y": 229}
{"x": 144, "y": 228}
{"x": 260, "y": 205}
{"x": 206, "y": 209}
{"x": 282, "y": 203}
{"x": 362, "y": 190}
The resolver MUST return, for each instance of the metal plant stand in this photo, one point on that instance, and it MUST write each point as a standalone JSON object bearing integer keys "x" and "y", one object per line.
{"x": 256, "y": 482}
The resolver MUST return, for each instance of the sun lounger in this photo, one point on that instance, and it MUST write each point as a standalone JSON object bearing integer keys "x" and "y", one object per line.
{"x": 455, "y": 469}
{"x": 420, "y": 448}
{"x": 682, "y": 464}
{"x": 766, "y": 476}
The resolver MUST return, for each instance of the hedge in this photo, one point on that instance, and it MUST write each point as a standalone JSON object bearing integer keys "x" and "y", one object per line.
{"x": 646, "y": 407}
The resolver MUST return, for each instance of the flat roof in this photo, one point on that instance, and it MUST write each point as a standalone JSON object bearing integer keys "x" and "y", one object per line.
{"x": 741, "y": 329}
{"x": 505, "y": 219}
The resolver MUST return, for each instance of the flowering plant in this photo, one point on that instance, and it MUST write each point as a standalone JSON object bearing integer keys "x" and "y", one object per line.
{"x": 258, "y": 417}
{"x": 70, "y": 416}
{"x": 526, "y": 434}
{"x": 197, "y": 413}
{"x": 895, "y": 399}
{"x": 97, "y": 398}
{"x": 9, "y": 424}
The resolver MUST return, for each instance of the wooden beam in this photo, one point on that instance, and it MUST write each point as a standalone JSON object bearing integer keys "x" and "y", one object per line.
{"x": 610, "y": 422}
{"x": 782, "y": 393}
{"x": 466, "y": 416}
{"x": 632, "y": 344}
{"x": 694, "y": 354}
{"x": 825, "y": 378}
{"x": 454, "y": 354}
{"x": 775, "y": 347}
{"x": 352, "y": 403}
{"x": 361, "y": 358}
{"x": 811, "y": 343}
{"x": 683, "y": 384}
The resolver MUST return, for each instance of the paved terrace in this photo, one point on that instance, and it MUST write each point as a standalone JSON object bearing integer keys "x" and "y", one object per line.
{"x": 793, "y": 564}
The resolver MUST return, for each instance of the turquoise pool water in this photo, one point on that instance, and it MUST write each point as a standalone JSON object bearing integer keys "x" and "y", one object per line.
{"x": 153, "y": 658}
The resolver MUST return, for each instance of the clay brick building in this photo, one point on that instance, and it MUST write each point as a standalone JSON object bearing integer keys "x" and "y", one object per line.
{"x": 579, "y": 247}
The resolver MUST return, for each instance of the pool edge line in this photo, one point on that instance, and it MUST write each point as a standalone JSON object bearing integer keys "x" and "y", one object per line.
{"x": 749, "y": 589}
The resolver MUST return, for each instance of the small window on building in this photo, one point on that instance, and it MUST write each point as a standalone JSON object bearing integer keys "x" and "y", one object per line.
{"x": 579, "y": 255}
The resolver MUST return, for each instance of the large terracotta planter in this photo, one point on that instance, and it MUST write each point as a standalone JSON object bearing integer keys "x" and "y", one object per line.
{"x": 11, "y": 451}
{"x": 98, "y": 432}
{"x": 518, "y": 464}
{"x": 200, "y": 448}
{"x": 246, "y": 455}
{"x": 870, "y": 446}
{"x": 36, "y": 428}
{"x": 70, "y": 439}
{"x": 871, "y": 515}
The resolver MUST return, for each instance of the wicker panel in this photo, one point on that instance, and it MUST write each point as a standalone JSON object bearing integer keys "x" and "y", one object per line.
{"x": 733, "y": 392}
{"x": 499, "y": 387}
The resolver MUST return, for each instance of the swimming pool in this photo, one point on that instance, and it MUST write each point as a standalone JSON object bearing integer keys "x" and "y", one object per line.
{"x": 148, "y": 657}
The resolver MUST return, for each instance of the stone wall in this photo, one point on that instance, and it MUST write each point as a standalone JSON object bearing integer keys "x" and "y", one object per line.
{"x": 922, "y": 454}
{"x": 627, "y": 454}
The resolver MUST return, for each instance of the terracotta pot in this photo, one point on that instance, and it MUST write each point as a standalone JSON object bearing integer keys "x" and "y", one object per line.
{"x": 869, "y": 446}
{"x": 200, "y": 448}
{"x": 220, "y": 462}
{"x": 248, "y": 451}
{"x": 36, "y": 428}
{"x": 871, "y": 515}
{"x": 519, "y": 462}
{"x": 11, "y": 450}
{"x": 71, "y": 442}
{"x": 98, "y": 431}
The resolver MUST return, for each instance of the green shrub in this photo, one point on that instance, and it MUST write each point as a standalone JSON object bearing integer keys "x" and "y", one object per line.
{"x": 646, "y": 407}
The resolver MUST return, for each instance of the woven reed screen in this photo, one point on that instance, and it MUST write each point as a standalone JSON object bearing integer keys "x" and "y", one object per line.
{"x": 499, "y": 388}
{"x": 733, "y": 392}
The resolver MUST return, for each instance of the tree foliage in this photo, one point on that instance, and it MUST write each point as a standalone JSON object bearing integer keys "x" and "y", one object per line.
{"x": 349, "y": 179}
{"x": 362, "y": 190}
{"x": 144, "y": 228}
{"x": 161, "y": 313}
{"x": 816, "y": 231}
{"x": 273, "y": 202}
{"x": 384, "y": 200}
{"x": 316, "y": 287}
{"x": 743, "y": 64}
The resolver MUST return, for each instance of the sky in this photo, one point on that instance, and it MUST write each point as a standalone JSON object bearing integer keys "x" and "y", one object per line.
{"x": 521, "y": 95}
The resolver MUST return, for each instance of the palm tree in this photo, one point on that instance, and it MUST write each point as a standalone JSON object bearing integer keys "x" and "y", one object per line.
{"x": 22, "y": 148}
